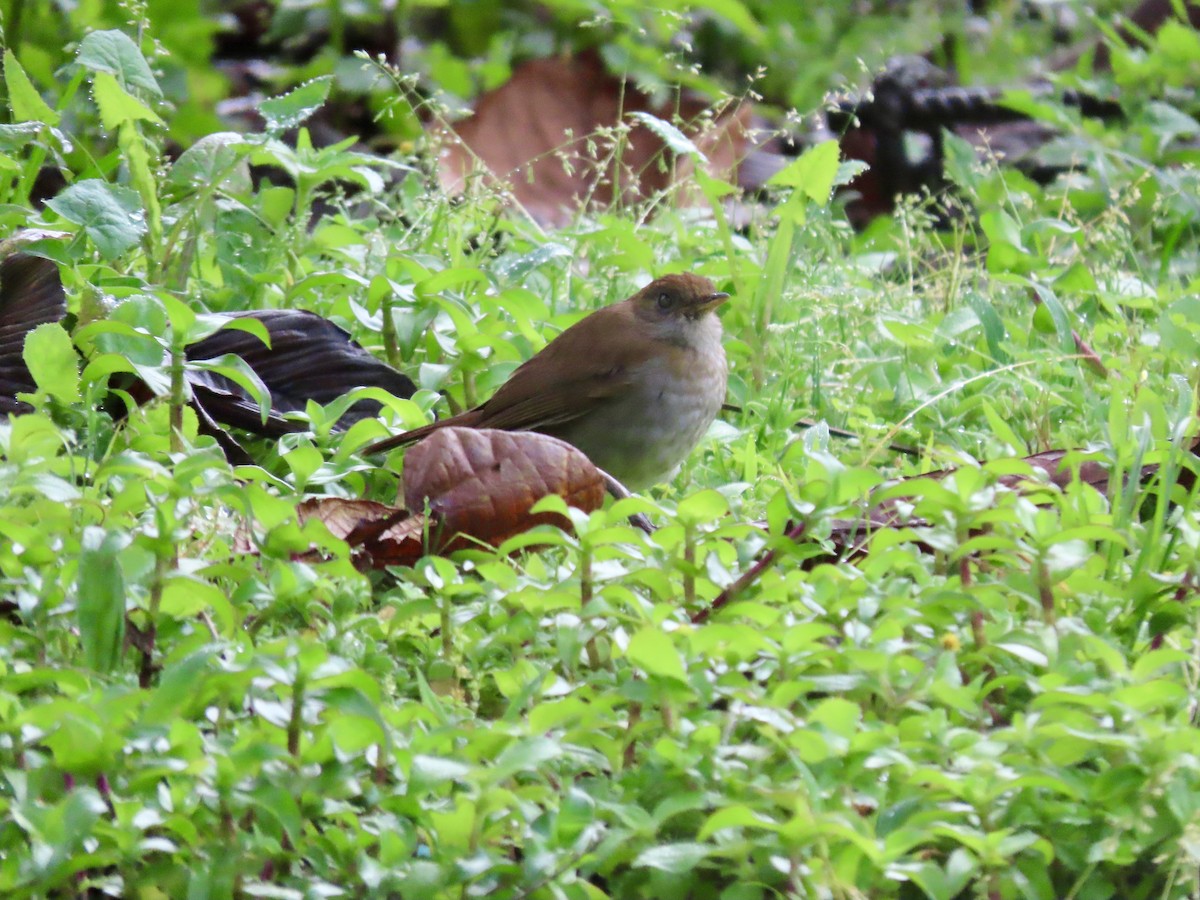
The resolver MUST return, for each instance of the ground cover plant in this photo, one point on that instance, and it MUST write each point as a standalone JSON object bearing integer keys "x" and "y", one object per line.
{"x": 202, "y": 695}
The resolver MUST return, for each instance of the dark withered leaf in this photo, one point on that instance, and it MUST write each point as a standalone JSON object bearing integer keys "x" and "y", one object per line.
{"x": 31, "y": 294}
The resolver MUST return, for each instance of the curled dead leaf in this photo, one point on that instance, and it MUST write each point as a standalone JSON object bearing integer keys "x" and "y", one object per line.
{"x": 479, "y": 485}
{"x": 482, "y": 482}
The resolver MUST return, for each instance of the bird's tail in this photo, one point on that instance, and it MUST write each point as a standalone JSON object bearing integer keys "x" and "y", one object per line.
{"x": 466, "y": 419}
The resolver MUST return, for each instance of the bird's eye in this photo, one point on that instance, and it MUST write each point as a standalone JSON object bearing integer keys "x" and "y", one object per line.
{"x": 664, "y": 300}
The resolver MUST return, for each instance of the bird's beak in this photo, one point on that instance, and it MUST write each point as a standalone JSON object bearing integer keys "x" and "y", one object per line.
{"x": 712, "y": 301}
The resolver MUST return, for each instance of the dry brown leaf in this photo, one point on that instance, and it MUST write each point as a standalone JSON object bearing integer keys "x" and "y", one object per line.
{"x": 482, "y": 482}
{"x": 479, "y": 485}
{"x": 539, "y": 131}
{"x": 379, "y": 535}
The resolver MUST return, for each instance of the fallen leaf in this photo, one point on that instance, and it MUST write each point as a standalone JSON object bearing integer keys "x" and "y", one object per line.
{"x": 479, "y": 485}
{"x": 548, "y": 132}
{"x": 483, "y": 482}
{"x": 31, "y": 294}
{"x": 379, "y": 535}
{"x": 309, "y": 358}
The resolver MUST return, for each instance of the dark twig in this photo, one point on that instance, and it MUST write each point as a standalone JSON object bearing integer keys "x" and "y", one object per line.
{"x": 852, "y": 436}
{"x": 1085, "y": 351}
{"x": 620, "y": 492}
{"x": 747, "y": 578}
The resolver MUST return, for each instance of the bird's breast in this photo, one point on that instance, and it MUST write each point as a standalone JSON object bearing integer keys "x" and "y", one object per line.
{"x": 640, "y": 436}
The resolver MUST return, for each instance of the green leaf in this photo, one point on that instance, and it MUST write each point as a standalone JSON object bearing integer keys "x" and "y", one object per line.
{"x": 100, "y": 609}
{"x": 737, "y": 14}
{"x": 15, "y": 138}
{"x": 1006, "y": 249}
{"x": 737, "y": 816}
{"x": 524, "y": 756}
{"x": 430, "y": 770}
{"x": 848, "y": 170}
{"x": 215, "y": 159}
{"x": 1021, "y": 651}
{"x": 115, "y": 53}
{"x": 994, "y": 331}
{"x": 702, "y": 506}
{"x": 111, "y": 214}
{"x": 838, "y": 715}
{"x": 812, "y": 173}
{"x": 24, "y": 100}
{"x": 183, "y": 598}
{"x": 117, "y": 105}
{"x": 1060, "y": 323}
{"x": 653, "y": 651}
{"x": 52, "y": 361}
{"x": 674, "y": 139}
{"x": 675, "y": 859}
{"x": 1001, "y": 427}
{"x": 238, "y": 371}
{"x": 141, "y": 176}
{"x": 206, "y": 324}
{"x": 178, "y": 686}
{"x": 294, "y": 107}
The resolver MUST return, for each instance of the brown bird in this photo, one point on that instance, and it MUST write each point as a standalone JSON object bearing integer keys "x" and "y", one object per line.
{"x": 634, "y": 385}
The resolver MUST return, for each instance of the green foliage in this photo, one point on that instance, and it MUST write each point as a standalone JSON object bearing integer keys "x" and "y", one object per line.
{"x": 201, "y": 697}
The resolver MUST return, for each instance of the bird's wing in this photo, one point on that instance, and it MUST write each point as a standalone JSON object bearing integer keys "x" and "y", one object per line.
{"x": 533, "y": 399}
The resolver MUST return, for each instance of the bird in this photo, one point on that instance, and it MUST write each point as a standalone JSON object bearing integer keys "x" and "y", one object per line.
{"x": 634, "y": 385}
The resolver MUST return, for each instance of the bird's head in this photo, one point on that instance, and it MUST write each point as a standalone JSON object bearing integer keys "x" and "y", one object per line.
{"x": 675, "y": 304}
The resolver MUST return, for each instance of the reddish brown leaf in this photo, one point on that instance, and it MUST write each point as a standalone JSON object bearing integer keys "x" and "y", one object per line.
{"x": 542, "y": 131}
{"x": 483, "y": 482}
{"x": 379, "y": 535}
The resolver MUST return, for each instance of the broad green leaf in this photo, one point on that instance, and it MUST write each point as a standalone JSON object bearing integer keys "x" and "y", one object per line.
{"x": 653, "y": 651}
{"x": 117, "y": 105}
{"x": 675, "y": 140}
{"x": 178, "y": 685}
{"x": 1022, "y": 651}
{"x": 115, "y": 53}
{"x": 29, "y": 437}
{"x": 449, "y": 279}
{"x": 524, "y": 755}
{"x": 215, "y": 159}
{"x": 24, "y": 100}
{"x": 14, "y": 138}
{"x": 738, "y": 15}
{"x": 1059, "y": 322}
{"x": 812, "y": 173}
{"x": 206, "y": 324}
{"x": 183, "y": 598}
{"x": 111, "y": 214}
{"x": 355, "y": 733}
{"x": 430, "y": 770}
{"x": 839, "y": 716}
{"x": 1006, "y": 248}
{"x": 100, "y": 608}
{"x": 738, "y": 816}
{"x": 240, "y": 373}
{"x": 296, "y": 106}
{"x": 53, "y": 362}
{"x": 702, "y": 506}
{"x": 675, "y": 859}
